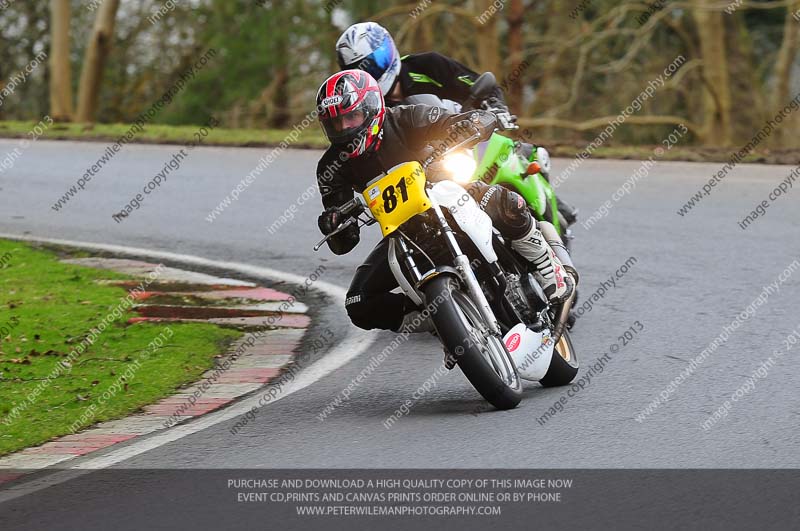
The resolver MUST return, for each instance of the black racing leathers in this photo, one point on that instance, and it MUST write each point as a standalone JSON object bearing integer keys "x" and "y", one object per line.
{"x": 434, "y": 73}
{"x": 408, "y": 131}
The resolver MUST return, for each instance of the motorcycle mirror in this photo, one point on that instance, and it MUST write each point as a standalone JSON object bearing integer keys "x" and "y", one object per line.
{"x": 483, "y": 86}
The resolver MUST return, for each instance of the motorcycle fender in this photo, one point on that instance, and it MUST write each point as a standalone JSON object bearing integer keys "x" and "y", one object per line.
{"x": 433, "y": 273}
{"x": 470, "y": 218}
{"x": 531, "y": 351}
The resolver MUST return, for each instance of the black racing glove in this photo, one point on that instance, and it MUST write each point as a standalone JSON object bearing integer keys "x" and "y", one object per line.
{"x": 485, "y": 122}
{"x": 345, "y": 241}
{"x": 329, "y": 220}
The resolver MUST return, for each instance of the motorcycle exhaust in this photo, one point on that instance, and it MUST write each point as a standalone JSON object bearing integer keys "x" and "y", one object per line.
{"x": 563, "y": 316}
{"x": 552, "y": 238}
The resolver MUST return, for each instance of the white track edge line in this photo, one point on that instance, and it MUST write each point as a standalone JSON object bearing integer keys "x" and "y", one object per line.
{"x": 353, "y": 345}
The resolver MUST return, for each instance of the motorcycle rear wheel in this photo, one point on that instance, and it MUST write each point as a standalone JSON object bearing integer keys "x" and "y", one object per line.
{"x": 483, "y": 359}
{"x": 564, "y": 364}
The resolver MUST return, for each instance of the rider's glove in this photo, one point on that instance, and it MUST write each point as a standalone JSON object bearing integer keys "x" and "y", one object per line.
{"x": 461, "y": 129}
{"x": 482, "y": 121}
{"x": 329, "y": 220}
{"x": 344, "y": 241}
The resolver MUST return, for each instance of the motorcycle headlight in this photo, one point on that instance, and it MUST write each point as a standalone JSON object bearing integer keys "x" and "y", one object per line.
{"x": 460, "y": 166}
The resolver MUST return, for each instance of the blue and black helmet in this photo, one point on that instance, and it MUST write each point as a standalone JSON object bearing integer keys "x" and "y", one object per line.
{"x": 369, "y": 46}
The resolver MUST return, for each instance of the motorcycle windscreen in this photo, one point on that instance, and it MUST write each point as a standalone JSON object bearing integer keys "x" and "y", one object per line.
{"x": 398, "y": 196}
{"x": 490, "y": 156}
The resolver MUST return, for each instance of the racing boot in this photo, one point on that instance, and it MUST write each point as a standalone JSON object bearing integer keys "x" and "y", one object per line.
{"x": 556, "y": 281}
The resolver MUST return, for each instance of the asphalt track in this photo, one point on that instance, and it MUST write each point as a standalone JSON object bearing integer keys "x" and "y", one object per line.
{"x": 691, "y": 277}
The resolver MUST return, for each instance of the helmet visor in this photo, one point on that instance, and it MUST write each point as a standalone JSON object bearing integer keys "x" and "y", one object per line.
{"x": 378, "y": 62}
{"x": 346, "y": 127}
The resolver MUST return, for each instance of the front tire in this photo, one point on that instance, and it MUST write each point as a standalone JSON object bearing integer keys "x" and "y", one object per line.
{"x": 483, "y": 358}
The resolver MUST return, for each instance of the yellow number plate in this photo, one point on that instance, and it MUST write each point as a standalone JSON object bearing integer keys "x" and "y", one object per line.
{"x": 398, "y": 196}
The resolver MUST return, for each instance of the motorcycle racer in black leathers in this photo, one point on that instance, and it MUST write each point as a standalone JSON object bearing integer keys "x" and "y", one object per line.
{"x": 368, "y": 139}
{"x": 368, "y": 46}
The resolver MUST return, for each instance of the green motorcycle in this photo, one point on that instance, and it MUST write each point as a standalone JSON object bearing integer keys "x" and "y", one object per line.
{"x": 499, "y": 160}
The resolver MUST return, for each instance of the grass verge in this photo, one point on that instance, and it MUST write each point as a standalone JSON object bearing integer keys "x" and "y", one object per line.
{"x": 46, "y": 309}
{"x": 312, "y": 137}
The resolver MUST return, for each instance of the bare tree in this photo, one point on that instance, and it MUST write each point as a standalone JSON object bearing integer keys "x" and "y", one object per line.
{"x": 516, "y": 17}
{"x": 785, "y": 60}
{"x": 94, "y": 61}
{"x": 487, "y": 38}
{"x": 717, "y": 94}
{"x": 61, "y": 108}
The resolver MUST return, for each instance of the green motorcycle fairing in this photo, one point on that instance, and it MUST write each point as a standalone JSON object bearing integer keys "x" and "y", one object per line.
{"x": 499, "y": 163}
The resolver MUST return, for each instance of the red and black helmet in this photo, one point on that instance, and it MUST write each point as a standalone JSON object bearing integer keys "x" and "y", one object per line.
{"x": 351, "y": 111}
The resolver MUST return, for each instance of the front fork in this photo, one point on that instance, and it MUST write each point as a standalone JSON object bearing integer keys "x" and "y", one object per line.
{"x": 462, "y": 266}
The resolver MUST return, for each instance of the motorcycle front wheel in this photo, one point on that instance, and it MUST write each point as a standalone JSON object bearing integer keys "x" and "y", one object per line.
{"x": 483, "y": 358}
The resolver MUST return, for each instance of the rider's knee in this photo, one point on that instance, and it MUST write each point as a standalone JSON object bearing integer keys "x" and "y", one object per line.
{"x": 356, "y": 311}
{"x": 368, "y": 313}
{"x": 508, "y": 210}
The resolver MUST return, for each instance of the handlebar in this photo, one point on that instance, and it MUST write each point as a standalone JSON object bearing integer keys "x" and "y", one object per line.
{"x": 505, "y": 120}
{"x": 352, "y": 208}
